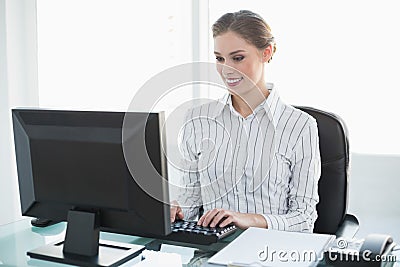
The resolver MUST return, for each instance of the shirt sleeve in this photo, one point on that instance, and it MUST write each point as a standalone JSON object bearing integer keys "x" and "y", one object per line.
{"x": 189, "y": 193}
{"x": 303, "y": 185}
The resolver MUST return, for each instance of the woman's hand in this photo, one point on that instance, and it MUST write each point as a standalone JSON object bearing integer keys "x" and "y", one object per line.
{"x": 175, "y": 211}
{"x": 221, "y": 218}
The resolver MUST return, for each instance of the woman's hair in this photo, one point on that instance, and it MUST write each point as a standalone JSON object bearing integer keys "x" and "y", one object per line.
{"x": 247, "y": 24}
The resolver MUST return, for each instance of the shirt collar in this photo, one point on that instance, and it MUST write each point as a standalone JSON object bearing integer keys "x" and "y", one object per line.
{"x": 273, "y": 104}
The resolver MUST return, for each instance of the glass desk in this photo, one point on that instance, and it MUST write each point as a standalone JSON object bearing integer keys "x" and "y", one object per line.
{"x": 19, "y": 237}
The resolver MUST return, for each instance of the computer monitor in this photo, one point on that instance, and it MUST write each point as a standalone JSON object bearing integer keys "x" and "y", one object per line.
{"x": 71, "y": 167}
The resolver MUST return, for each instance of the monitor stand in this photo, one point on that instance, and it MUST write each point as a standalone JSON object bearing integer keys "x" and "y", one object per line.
{"x": 82, "y": 247}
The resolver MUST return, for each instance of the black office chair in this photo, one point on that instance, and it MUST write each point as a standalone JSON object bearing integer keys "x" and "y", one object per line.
{"x": 333, "y": 184}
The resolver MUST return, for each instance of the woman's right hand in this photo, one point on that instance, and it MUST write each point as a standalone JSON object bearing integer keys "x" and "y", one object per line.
{"x": 176, "y": 211}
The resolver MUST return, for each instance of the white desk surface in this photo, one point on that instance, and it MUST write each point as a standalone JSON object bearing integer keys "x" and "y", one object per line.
{"x": 19, "y": 237}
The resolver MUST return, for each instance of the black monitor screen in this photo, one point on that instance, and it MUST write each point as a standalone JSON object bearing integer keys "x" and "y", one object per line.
{"x": 56, "y": 164}
{"x": 74, "y": 160}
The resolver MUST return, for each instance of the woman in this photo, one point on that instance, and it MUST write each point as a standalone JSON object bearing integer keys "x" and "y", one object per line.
{"x": 253, "y": 160}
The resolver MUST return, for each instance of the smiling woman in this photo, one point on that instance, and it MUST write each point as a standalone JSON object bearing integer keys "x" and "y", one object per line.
{"x": 254, "y": 160}
{"x": 243, "y": 43}
{"x": 243, "y": 68}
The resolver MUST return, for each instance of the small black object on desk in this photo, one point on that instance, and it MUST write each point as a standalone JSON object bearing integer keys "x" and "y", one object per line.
{"x": 41, "y": 222}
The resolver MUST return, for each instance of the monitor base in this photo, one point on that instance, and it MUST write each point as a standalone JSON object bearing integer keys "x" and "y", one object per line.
{"x": 110, "y": 254}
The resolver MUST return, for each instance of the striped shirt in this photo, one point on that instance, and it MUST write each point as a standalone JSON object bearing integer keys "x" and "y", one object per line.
{"x": 267, "y": 163}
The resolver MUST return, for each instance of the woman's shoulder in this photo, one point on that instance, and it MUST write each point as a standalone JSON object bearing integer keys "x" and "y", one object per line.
{"x": 295, "y": 123}
{"x": 296, "y": 114}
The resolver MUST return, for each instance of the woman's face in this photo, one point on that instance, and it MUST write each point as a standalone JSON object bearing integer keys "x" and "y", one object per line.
{"x": 240, "y": 64}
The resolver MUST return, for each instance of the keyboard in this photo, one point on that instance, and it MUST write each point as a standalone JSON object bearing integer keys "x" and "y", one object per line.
{"x": 190, "y": 232}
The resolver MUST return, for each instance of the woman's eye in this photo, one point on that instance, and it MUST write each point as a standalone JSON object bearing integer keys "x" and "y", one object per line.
{"x": 219, "y": 59}
{"x": 238, "y": 58}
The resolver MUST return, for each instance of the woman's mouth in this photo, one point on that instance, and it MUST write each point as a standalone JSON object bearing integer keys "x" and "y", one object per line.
{"x": 233, "y": 81}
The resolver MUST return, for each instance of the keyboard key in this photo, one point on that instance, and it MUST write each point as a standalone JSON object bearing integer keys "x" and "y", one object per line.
{"x": 190, "y": 232}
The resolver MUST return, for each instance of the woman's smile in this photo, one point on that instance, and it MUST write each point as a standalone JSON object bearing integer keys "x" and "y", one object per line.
{"x": 231, "y": 82}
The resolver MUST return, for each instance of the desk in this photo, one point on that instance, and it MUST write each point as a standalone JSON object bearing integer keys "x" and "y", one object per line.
{"x": 19, "y": 237}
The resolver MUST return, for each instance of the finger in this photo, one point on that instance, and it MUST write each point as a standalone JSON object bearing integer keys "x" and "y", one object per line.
{"x": 179, "y": 213}
{"x": 173, "y": 213}
{"x": 204, "y": 221}
{"x": 228, "y": 220}
{"x": 209, "y": 217}
{"x": 219, "y": 217}
{"x": 180, "y": 216}
{"x": 174, "y": 209}
{"x": 201, "y": 219}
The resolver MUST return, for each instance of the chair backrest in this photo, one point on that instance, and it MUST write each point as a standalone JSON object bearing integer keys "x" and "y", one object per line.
{"x": 333, "y": 184}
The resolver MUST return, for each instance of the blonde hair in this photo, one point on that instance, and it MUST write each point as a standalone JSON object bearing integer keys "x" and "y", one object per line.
{"x": 248, "y": 25}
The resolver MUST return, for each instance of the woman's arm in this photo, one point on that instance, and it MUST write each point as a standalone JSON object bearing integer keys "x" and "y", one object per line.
{"x": 303, "y": 186}
{"x": 189, "y": 198}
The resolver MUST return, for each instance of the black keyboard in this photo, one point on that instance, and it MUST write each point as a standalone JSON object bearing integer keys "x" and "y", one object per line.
{"x": 190, "y": 232}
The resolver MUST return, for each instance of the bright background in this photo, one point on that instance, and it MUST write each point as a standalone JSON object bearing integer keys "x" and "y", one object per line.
{"x": 341, "y": 56}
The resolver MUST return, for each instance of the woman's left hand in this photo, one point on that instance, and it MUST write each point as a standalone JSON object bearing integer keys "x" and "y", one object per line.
{"x": 221, "y": 218}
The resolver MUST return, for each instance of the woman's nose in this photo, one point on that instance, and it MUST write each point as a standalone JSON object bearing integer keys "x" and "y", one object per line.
{"x": 226, "y": 69}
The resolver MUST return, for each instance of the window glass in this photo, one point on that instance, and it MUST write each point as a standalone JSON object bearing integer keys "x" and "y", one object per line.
{"x": 95, "y": 54}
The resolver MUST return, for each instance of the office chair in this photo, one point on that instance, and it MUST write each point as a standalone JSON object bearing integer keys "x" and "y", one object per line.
{"x": 333, "y": 183}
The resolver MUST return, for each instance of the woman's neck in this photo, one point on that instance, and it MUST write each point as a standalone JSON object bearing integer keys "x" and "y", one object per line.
{"x": 245, "y": 104}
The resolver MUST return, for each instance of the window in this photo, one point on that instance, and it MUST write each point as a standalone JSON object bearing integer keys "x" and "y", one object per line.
{"x": 96, "y": 54}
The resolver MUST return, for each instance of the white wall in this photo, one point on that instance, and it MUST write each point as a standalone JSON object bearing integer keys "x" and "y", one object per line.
{"x": 18, "y": 87}
{"x": 374, "y": 185}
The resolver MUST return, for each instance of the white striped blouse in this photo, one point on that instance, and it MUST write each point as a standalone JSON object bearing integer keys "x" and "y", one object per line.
{"x": 267, "y": 163}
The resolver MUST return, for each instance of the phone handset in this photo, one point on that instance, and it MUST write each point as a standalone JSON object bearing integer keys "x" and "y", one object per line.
{"x": 371, "y": 251}
{"x": 377, "y": 244}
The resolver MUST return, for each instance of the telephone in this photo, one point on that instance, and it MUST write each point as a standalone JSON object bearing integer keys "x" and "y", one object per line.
{"x": 374, "y": 250}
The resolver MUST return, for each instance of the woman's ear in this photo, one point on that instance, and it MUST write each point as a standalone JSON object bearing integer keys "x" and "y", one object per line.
{"x": 267, "y": 54}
